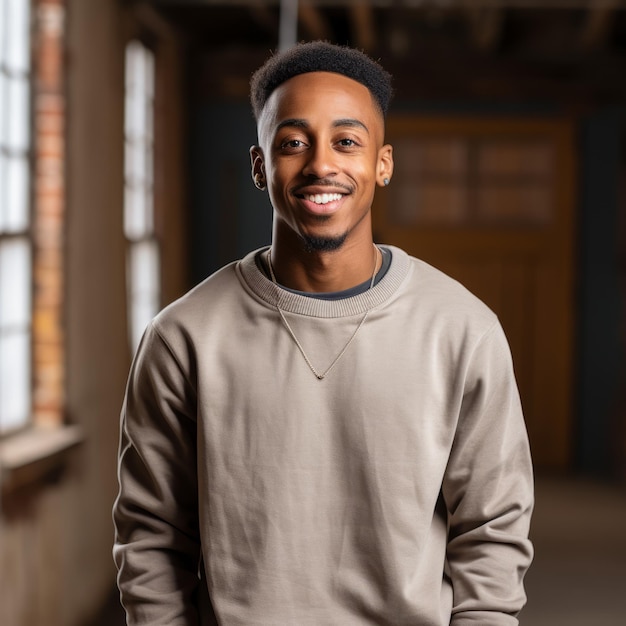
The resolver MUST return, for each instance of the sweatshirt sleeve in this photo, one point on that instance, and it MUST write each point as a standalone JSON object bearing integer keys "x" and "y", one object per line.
{"x": 488, "y": 491}
{"x": 157, "y": 547}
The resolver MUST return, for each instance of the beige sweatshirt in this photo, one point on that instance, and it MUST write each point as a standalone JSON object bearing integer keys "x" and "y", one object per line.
{"x": 398, "y": 490}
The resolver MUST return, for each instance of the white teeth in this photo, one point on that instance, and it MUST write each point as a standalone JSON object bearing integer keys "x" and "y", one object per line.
{"x": 323, "y": 198}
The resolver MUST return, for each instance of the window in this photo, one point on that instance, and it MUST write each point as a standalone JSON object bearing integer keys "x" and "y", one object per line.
{"x": 15, "y": 208}
{"x": 467, "y": 180}
{"x": 143, "y": 261}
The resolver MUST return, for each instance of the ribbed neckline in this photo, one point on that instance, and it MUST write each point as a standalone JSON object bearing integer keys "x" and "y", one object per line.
{"x": 274, "y": 295}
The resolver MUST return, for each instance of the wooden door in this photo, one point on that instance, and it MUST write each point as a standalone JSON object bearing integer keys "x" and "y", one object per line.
{"x": 490, "y": 202}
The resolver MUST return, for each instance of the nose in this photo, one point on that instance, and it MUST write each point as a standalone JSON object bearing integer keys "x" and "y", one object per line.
{"x": 321, "y": 161}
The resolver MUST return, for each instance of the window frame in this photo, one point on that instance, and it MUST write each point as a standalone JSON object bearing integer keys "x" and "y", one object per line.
{"x": 16, "y": 74}
{"x": 37, "y": 448}
{"x": 141, "y": 231}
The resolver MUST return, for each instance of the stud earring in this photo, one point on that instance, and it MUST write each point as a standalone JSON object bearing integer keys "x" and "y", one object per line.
{"x": 259, "y": 181}
{"x": 385, "y": 181}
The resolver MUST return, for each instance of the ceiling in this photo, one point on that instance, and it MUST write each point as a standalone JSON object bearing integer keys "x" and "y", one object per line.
{"x": 567, "y": 50}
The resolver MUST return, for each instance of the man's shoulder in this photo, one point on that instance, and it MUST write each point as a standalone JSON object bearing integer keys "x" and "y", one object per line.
{"x": 442, "y": 294}
{"x": 216, "y": 295}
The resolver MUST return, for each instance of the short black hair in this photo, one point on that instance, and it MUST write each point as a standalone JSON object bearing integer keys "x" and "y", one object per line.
{"x": 320, "y": 56}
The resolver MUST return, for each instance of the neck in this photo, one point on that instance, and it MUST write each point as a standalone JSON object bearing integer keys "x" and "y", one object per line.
{"x": 327, "y": 271}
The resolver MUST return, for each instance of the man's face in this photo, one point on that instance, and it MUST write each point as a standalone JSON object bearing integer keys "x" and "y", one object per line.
{"x": 322, "y": 155}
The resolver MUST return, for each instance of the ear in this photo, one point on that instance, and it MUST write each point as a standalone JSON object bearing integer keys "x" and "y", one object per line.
{"x": 257, "y": 163}
{"x": 384, "y": 169}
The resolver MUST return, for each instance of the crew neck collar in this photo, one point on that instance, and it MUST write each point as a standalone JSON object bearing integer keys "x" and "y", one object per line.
{"x": 276, "y": 296}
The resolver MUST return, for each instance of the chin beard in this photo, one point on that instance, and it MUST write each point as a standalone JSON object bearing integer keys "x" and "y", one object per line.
{"x": 323, "y": 244}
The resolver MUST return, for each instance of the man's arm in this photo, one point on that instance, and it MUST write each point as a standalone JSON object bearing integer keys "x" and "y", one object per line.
{"x": 488, "y": 491}
{"x": 157, "y": 547}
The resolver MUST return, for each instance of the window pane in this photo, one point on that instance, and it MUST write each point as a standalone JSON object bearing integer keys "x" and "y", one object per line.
{"x": 428, "y": 203}
{"x": 134, "y": 66}
{"x": 3, "y": 103}
{"x": 134, "y": 212}
{"x": 515, "y": 158}
{"x": 514, "y": 184}
{"x": 139, "y": 91}
{"x": 3, "y": 24}
{"x": 135, "y": 162}
{"x": 143, "y": 280}
{"x": 14, "y": 379}
{"x": 432, "y": 157}
{"x": 3, "y": 192}
{"x": 141, "y": 314}
{"x": 515, "y": 204}
{"x": 17, "y": 35}
{"x": 15, "y": 271}
{"x": 134, "y": 116}
{"x": 139, "y": 70}
{"x": 144, "y": 268}
{"x": 16, "y": 195}
{"x": 17, "y": 114}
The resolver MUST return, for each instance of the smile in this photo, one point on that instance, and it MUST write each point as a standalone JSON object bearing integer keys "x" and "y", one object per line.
{"x": 323, "y": 198}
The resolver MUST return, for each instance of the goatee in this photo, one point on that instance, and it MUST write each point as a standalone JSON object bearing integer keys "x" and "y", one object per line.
{"x": 323, "y": 244}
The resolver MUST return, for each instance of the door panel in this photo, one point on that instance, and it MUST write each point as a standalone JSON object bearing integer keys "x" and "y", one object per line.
{"x": 490, "y": 202}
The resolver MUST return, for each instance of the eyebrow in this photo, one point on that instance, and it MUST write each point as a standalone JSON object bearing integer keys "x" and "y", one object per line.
{"x": 351, "y": 123}
{"x": 302, "y": 123}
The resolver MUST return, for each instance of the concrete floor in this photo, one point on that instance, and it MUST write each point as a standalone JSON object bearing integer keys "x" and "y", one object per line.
{"x": 578, "y": 577}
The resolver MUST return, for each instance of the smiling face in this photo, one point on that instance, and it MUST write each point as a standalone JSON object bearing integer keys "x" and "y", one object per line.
{"x": 321, "y": 153}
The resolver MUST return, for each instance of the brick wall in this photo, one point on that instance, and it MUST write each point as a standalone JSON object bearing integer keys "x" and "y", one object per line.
{"x": 49, "y": 112}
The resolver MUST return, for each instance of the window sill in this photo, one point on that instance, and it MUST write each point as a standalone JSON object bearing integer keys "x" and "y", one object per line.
{"x": 36, "y": 454}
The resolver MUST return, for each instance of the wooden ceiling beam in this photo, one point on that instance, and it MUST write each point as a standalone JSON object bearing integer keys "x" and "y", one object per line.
{"x": 314, "y": 22}
{"x": 485, "y": 23}
{"x": 597, "y": 28}
{"x": 362, "y": 19}
{"x": 263, "y": 16}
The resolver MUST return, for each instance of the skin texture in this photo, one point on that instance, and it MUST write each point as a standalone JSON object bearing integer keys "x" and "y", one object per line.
{"x": 322, "y": 133}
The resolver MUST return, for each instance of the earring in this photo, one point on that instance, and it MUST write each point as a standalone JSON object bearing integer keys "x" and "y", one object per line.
{"x": 259, "y": 181}
{"x": 385, "y": 181}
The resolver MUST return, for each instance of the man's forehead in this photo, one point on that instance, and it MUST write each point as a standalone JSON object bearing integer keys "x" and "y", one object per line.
{"x": 330, "y": 80}
{"x": 323, "y": 76}
{"x": 299, "y": 93}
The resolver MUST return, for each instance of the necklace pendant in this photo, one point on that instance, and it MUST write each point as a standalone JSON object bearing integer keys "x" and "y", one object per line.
{"x": 293, "y": 334}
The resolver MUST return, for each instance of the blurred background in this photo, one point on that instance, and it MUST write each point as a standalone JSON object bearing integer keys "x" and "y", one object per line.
{"x": 124, "y": 180}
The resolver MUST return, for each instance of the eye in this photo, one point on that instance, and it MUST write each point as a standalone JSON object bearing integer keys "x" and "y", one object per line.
{"x": 292, "y": 144}
{"x": 347, "y": 142}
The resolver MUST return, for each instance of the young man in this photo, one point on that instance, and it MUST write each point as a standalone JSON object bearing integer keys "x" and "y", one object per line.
{"x": 327, "y": 432}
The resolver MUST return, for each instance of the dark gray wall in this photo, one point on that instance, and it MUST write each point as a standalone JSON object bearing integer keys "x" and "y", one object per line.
{"x": 600, "y": 353}
{"x": 230, "y": 217}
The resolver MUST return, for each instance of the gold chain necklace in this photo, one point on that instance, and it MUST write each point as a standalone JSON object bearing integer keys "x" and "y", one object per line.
{"x": 322, "y": 375}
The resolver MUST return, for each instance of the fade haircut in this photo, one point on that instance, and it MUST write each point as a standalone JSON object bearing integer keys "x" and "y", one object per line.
{"x": 320, "y": 56}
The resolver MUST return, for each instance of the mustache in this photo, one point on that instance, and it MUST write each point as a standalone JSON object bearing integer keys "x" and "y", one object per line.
{"x": 322, "y": 182}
